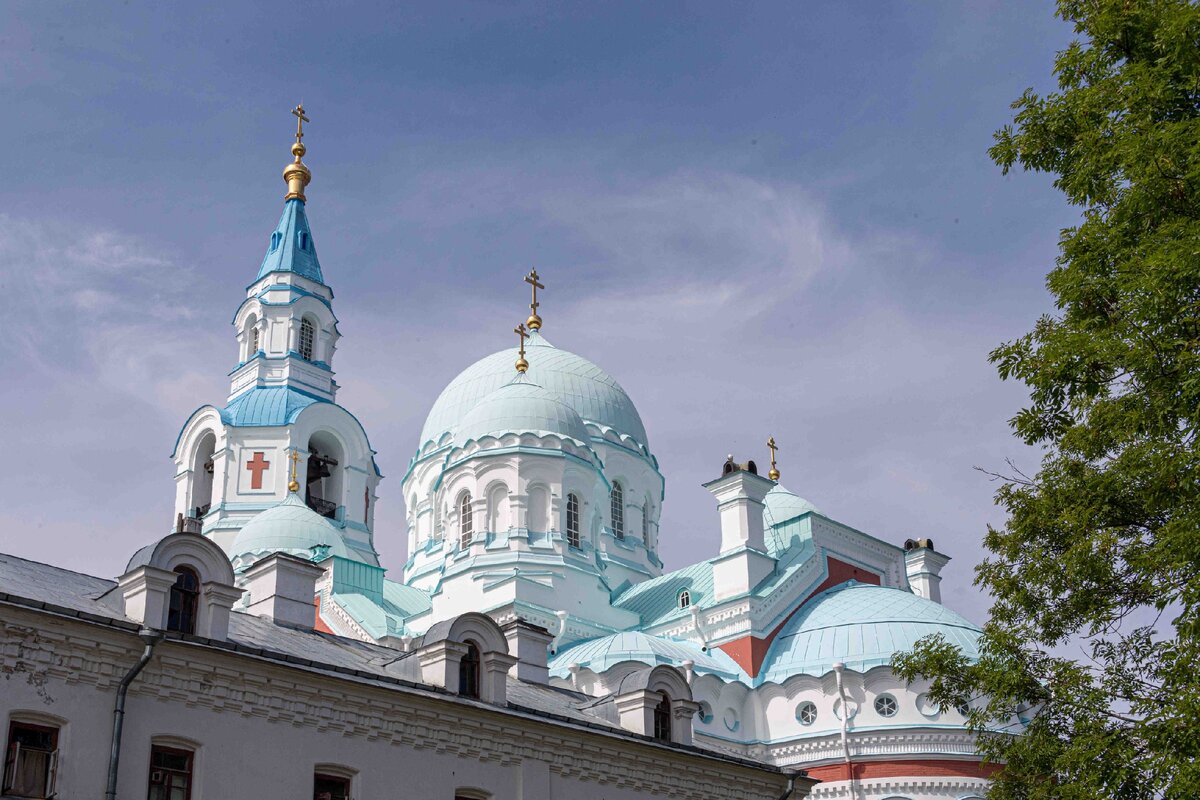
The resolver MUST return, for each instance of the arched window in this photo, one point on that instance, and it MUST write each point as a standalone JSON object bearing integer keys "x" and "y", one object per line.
{"x": 254, "y": 341}
{"x": 572, "y": 520}
{"x": 617, "y": 496}
{"x": 685, "y": 598}
{"x": 646, "y": 525}
{"x": 466, "y": 526}
{"x": 468, "y": 671}
{"x": 662, "y": 720}
{"x": 306, "y": 339}
{"x": 185, "y": 596}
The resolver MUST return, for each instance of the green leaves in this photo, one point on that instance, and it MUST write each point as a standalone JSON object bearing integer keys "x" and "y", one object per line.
{"x": 1095, "y": 628}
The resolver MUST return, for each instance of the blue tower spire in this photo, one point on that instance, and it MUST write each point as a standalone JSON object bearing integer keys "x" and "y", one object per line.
{"x": 291, "y": 248}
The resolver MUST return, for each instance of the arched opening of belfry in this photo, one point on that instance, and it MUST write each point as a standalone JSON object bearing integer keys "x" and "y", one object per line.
{"x": 323, "y": 485}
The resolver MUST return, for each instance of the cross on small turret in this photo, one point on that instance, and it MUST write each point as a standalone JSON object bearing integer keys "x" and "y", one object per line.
{"x": 774, "y": 473}
{"x": 298, "y": 113}
{"x": 522, "y": 364}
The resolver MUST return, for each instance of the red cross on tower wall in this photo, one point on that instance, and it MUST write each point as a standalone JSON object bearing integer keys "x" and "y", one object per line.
{"x": 257, "y": 466}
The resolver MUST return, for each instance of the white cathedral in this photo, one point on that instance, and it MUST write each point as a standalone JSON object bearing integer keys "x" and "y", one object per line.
{"x": 531, "y": 647}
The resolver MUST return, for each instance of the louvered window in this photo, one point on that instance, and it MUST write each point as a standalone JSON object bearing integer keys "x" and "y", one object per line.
{"x": 306, "y": 339}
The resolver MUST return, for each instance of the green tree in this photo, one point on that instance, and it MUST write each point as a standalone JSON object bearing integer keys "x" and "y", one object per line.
{"x": 1094, "y": 633}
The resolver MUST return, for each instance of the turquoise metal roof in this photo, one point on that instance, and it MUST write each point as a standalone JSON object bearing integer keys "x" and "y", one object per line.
{"x": 266, "y": 405}
{"x": 574, "y": 380}
{"x": 861, "y": 626}
{"x": 291, "y": 247}
{"x": 657, "y": 599}
{"x": 781, "y": 506}
{"x": 605, "y": 652}
{"x": 290, "y": 527}
{"x": 520, "y": 407}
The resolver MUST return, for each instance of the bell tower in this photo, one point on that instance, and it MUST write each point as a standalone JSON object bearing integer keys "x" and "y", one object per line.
{"x": 232, "y": 462}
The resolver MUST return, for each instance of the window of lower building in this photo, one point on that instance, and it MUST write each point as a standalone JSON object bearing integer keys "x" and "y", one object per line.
{"x": 170, "y": 773}
{"x": 31, "y": 760}
{"x": 662, "y": 720}
{"x": 330, "y": 787}
{"x": 468, "y": 671}
{"x": 185, "y": 597}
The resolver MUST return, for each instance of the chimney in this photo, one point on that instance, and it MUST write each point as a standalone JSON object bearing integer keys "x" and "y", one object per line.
{"x": 529, "y": 643}
{"x": 923, "y": 565}
{"x": 282, "y": 588}
{"x": 743, "y": 561}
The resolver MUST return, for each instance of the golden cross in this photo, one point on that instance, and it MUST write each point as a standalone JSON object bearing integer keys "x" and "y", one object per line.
{"x": 298, "y": 113}
{"x": 522, "y": 364}
{"x": 774, "y": 473}
{"x": 293, "y": 485}
{"x": 534, "y": 321}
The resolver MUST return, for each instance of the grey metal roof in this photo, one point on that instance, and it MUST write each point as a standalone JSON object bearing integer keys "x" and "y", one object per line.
{"x": 41, "y": 586}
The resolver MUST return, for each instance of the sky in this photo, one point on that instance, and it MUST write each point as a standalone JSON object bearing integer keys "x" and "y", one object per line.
{"x": 767, "y": 219}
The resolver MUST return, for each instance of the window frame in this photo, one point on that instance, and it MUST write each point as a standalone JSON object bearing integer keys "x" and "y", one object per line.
{"x": 190, "y": 771}
{"x": 12, "y": 758}
{"x": 685, "y": 598}
{"x": 881, "y": 705}
{"x": 466, "y": 521}
{"x": 572, "y": 521}
{"x": 616, "y": 497}
{"x": 345, "y": 780}
{"x": 806, "y": 713}
{"x": 187, "y": 610}
{"x": 306, "y": 326}
{"x": 662, "y": 719}
{"x": 470, "y": 671}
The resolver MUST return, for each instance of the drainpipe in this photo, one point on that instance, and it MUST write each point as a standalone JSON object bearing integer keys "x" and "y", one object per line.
{"x": 695, "y": 612}
{"x": 790, "y": 787}
{"x": 837, "y": 671}
{"x": 562, "y": 630}
{"x": 150, "y": 638}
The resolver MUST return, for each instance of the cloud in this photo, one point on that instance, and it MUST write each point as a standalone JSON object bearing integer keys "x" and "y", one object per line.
{"x": 102, "y": 309}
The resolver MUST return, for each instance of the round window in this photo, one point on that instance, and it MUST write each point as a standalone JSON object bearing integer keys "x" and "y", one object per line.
{"x": 704, "y": 712}
{"x": 963, "y": 709}
{"x": 806, "y": 713}
{"x": 885, "y": 705}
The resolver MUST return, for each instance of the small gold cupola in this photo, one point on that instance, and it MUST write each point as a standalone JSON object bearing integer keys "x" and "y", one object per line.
{"x": 297, "y": 174}
{"x": 774, "y": 473}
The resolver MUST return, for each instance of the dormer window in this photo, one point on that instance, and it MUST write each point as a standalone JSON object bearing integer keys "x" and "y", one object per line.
{"x": 662, "y": 720}
{"x": 276, "y": 238}
{"x": 685, "y": 598}
{"x": 618, "y": 511}
{"x": 303, "y": 240}
{"x": 468, "y": 671}
{"x": 185, "y": 596}
{"x": 306, "y": 339}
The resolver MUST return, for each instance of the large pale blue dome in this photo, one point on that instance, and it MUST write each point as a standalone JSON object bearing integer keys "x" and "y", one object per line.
{"x": 290, "y": 527}
{"x": 861, "y": 626}
{"x": 520, "y": 407}
{"x": 594, "y": 395}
